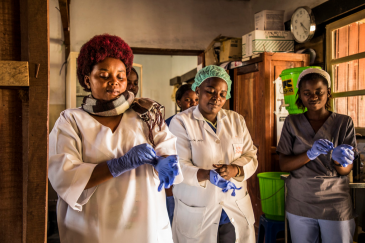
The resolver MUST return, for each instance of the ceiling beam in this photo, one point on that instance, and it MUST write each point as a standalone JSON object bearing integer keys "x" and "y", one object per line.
{"x": 65, "y": 18}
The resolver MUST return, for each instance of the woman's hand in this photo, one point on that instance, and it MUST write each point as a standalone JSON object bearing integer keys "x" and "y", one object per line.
{"x": 320, "y": 146}
{"x": 226, "y": 185}
{"x": 135, "y": 157}
{"x": 167, "y": 169}
{"x": 226, "y": 171}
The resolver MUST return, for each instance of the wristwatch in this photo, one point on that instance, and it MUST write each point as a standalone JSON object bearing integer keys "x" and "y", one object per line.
{"x": 239, "y": 171}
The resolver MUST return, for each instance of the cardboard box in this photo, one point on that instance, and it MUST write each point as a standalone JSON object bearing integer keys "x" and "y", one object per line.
{"x": 212, "y": 53}
{"x": 230, "y": 50}
{"x": 259, "y": 41}
{"x": 269, "y": 20}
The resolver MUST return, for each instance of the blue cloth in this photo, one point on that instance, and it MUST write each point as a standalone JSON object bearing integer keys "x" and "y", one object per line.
{"x": 170, "y": 204}
{"x": 168, "y": 120}
{"x": 303, "y": 229}
{"x": 224, "y": 217}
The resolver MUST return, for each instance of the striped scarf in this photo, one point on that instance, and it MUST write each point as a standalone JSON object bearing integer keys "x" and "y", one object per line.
{"x": 151, "y": 112}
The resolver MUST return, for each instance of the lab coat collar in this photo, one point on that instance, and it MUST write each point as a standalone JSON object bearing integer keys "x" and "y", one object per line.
{"x": 197, "y": 115}
{"x": 221, "y": 115}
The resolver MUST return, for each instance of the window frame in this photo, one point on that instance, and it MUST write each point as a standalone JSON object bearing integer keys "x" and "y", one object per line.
{"x": 330, "y": 61}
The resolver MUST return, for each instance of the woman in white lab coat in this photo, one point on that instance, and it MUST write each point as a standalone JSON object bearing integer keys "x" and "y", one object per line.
{"x": 101, "y": 160}
{"x": 216, "y": 154}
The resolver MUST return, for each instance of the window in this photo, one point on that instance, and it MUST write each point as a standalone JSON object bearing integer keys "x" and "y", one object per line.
{"x": 346, "y": 65}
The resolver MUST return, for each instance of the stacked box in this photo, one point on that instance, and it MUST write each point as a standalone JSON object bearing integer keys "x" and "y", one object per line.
{"x": 259, "y": 41}
{"x": 269, "y": 20}
{"x": 230, "y": 50}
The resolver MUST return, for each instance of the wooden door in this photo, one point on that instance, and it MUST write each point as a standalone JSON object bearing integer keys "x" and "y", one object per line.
{"x": 247, "y": 92}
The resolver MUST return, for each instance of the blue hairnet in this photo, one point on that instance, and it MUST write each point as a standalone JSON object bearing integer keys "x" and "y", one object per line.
{"x": 210, "y": 72}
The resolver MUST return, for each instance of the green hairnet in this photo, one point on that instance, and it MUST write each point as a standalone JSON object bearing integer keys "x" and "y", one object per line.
{"x": 210, "y": 72}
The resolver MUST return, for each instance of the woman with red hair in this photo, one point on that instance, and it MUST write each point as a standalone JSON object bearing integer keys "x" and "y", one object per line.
{"x": 110, "y": 159}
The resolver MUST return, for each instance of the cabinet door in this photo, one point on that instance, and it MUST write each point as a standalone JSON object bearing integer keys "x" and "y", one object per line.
{"x": 244, "y": 103}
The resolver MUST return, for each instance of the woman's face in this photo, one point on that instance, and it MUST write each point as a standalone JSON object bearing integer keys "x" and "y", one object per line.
{"x": 107, "y": 80}
{"x": 212, "y": 95}
{"x": 314, "y": 94}
{"x": 188, "y": 100}
{"x": 132, "y": 85}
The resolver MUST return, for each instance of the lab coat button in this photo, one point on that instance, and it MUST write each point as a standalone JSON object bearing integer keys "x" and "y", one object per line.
{"x": 221, "y": 203}
{"x": 217, "y": 141}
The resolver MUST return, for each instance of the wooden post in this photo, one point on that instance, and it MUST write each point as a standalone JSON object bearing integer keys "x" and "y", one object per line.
{"x": 35, "y": 49}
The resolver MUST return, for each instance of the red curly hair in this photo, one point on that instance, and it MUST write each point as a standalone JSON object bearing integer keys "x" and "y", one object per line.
{"x": 97, "y": 49}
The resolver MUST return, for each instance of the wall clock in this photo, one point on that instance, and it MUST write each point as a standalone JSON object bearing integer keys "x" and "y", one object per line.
{"x": 303, "y": 24}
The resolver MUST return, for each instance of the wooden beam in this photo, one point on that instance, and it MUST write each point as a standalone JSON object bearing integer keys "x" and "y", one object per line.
{"x": 169, "y": 52}
{"x": 186, "y": 77}
{"x": 36, "y": 51}
{"x": 65, "y": 19}
{"x": 14, "y": 73}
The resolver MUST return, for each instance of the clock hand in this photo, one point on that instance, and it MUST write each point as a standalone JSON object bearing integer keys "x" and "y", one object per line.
{"x": 305, "y": 29}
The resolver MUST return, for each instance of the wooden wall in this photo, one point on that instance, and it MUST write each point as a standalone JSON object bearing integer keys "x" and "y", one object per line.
{"x": 24, "y": 123}
{"x": 11, "y": 146}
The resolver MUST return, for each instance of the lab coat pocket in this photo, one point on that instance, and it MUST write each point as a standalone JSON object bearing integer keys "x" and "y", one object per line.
{"x": 237, "y": 150}
{"x": 245, "y": 206}
{"x": 189, "y": 219}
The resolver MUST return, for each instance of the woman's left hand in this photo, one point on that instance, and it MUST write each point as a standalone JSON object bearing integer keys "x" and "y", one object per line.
{"x": 226, "y": 171}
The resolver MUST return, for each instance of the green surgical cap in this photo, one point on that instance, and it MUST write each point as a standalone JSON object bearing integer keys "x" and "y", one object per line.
{"x": 210, "y": 72}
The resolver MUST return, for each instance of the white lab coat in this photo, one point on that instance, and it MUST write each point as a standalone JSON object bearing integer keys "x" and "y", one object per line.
{"x": 127, "y": 208}
{"x": 199, "y": 204}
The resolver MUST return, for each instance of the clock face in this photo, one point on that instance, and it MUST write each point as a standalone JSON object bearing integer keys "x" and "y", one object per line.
{"x": 301, "y": 25}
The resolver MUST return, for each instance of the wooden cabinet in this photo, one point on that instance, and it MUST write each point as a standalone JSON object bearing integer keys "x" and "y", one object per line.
{"x": 254, "y": 98}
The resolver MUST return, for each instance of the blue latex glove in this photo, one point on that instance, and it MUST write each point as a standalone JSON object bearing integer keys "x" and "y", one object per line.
{"x": 343, "y": 154}
{"x": 218, "y": 181}
{"x": 170, "y": 204}
{"x": 167, "y": 169}
{"x": 321, "y": 146}
{"x": 135, "y": 157}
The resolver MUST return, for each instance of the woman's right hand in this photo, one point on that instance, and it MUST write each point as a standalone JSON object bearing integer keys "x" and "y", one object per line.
{"x": 218, "y": 181}
{"x": 135, "y": 157}
{"x": 321, "y": 146}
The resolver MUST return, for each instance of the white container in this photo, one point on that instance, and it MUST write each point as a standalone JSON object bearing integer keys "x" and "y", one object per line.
{"x": 269, "y": 20}
{"x": 280, "y": 112}
{"x": 259, "y": 41}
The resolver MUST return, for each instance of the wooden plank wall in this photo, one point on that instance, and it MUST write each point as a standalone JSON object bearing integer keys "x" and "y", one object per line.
{"x": 349, "y": 76}
{"x": 11, "y": 183}
{"x": 24, "y": 123}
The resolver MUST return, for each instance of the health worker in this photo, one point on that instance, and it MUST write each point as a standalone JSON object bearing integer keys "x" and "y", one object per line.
{"x": 217, "y": 156}
{"x": 107, "y": 162}
{"x": 317, "y": 148}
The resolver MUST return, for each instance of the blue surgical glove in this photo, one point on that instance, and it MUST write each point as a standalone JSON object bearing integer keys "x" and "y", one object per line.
{"x": 135, "y": 157}
{"x": 218, "y": 181}
{"x": 343, "y": 154}
{"x": 321, "y": 146}
{"x": 167, "y": 169}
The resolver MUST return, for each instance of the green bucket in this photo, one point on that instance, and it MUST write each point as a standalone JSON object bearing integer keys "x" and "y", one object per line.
{"x": 289, "y": 78}
{"x": 272, "y": 195}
